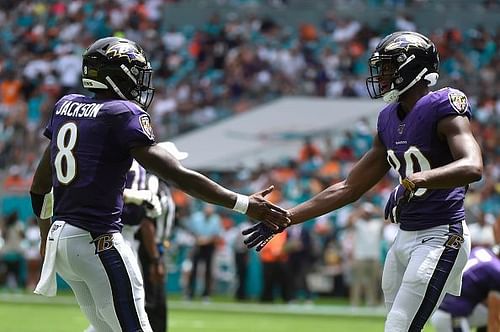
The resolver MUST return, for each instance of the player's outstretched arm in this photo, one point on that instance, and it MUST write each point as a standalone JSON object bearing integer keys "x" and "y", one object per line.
{"x": 163, "y": 164}
{"x": 467, "y": 166}
{"x": 364, "y": 175}
{"x": 41, "y": 196}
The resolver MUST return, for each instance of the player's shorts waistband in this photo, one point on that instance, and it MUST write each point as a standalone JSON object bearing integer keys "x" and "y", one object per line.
{"x": 75, "y": 231}
{"x": 446, "y": 227}
{"x": 72, "y": 231}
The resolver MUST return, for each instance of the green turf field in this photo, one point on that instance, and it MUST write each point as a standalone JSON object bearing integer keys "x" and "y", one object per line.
{"x": 194, "y": 317}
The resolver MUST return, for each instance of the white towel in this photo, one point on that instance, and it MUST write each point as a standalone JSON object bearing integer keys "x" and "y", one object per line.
{"x": 47, "y": 285}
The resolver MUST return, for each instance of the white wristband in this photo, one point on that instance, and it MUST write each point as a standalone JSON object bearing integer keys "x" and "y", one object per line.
{"x": 241, "y": 204}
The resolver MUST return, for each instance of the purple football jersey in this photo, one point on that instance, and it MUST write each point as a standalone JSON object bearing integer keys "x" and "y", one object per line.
{"x": 413, "y": 144}
{"x": 90, "y": 157}
{"x": 481, "y": 275}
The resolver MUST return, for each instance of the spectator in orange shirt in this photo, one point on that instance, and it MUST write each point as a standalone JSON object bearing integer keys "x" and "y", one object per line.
{"x": 15, "y": 182}
{"x": 331, "y": 168}
{"x": 10, "y": 92}
{"x": 275, "y": 269}
{"x": 10, "y": 89}
{"x": 308, "y": 32}
{"x": 308, "y": 150}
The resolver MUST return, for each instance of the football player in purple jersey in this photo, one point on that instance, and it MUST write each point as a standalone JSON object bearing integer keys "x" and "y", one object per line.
{"x": 77, "y": 190}
{"x": 426, "y": 137}
{"x": 481, "y": 275}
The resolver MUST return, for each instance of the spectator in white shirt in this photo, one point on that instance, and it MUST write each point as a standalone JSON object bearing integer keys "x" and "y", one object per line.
{"x": 366, "y": 265}
{"x": 481, "y": 232}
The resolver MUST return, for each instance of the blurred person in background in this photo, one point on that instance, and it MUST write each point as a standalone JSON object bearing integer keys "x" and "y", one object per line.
{"x": 32, "y": 253}
{"x": 241, "y": 261}
{"x": 156, "y": 232}
{"x": 481, "y": 232}
{"x": 275, "y": 271}
{"x": 206, "y": 227}
{"x": 12, "y": 252}
{"x": 10, "y": 94}
{"x": 154, "y": 238}
{"x": 137, "y": 200}
{"x": 299, "y": 248}
{"x": 308, "y": 151}
{"x": 15, "y": 182}
{"x": 481, "y": 276}
{"x": 366, "y": 269}
{"x": 470, "y": 309}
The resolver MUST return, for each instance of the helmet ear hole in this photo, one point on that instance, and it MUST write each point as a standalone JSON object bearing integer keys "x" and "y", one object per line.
{"x": 431, "y": 78}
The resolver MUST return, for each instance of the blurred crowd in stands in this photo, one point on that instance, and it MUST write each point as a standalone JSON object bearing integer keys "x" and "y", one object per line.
{"x": 226, "y": 66}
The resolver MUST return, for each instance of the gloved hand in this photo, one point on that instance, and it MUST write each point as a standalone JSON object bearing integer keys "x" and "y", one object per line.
{"x": 259, "y": 235}
{"x": 399, "y": 197}
{"x": 137, "y": 197}
{"x": 154, "y": 209}
{"x": 144, "y": 197}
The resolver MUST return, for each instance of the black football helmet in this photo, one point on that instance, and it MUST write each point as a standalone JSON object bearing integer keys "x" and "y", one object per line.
{"x": 120, "y": 65}
{"x": 399, "y": 61}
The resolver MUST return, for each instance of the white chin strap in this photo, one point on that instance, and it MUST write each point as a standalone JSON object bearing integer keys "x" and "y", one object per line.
{"x": 115, "y": 88}
{"x": 392, "y": 96}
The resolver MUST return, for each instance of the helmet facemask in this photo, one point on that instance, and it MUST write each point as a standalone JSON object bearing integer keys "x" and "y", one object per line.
{"x": 383, "y": 75}
{"x": 142, "y": 90}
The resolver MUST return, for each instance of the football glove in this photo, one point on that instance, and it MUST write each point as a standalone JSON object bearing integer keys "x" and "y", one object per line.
{"x": 399, "y": 197}
{"x": 154, "y": 208}
{"x": 139, "y": 197}
{"x": 259, "y": 235}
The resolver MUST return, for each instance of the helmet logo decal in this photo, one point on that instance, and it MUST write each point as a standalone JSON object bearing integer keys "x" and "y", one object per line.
{"x": 458, "y": 101}
{"x": 125, "y": 50}
{"x": 406, "y": 41}
{"x": 145, "y": 123}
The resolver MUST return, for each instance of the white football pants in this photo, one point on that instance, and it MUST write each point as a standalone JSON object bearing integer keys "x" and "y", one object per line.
{"x": 106, "y": 280}
{"x": 421, "y": 266}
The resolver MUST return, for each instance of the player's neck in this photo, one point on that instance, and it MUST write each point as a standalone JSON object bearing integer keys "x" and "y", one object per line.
{"x": 105, "y": 95}
{"x": 408, "y": 100}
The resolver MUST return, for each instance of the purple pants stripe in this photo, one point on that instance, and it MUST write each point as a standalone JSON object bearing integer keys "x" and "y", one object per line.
{"x": 121, "y": 288}
{"x": 437, "y": 282}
